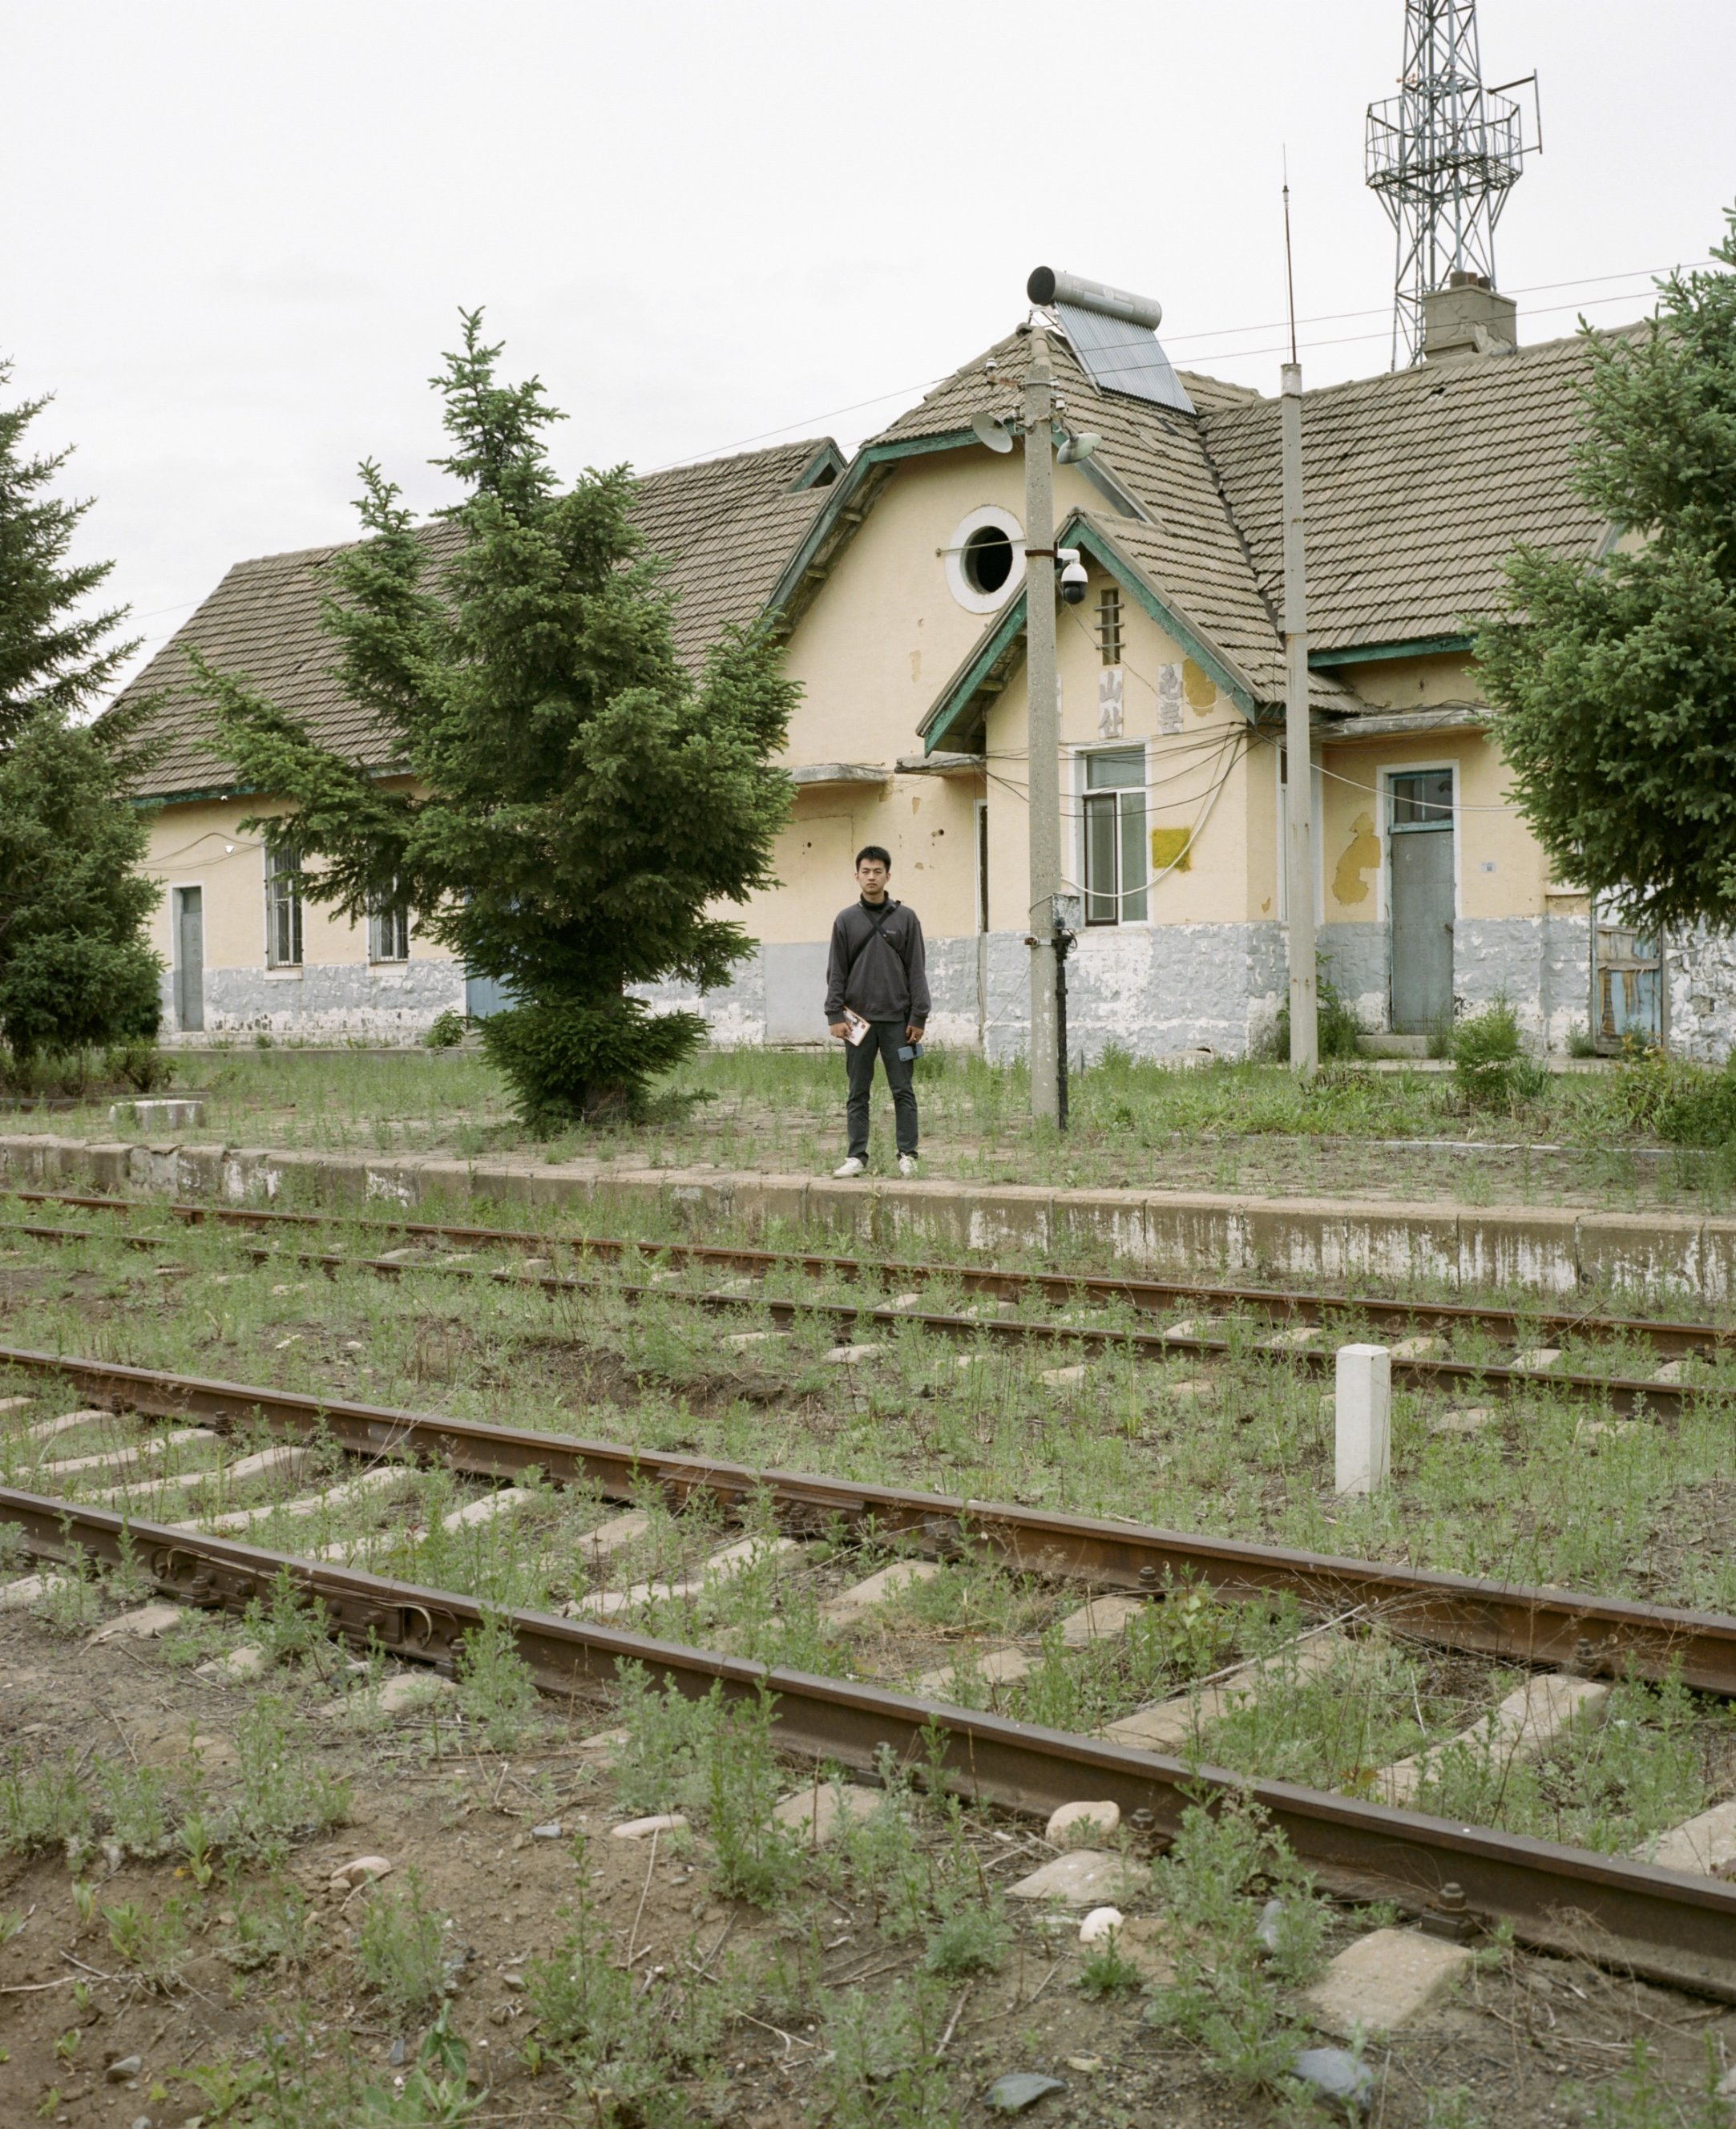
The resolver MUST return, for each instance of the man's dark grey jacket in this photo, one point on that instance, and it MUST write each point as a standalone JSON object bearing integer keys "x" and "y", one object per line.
{"x": 883, "y": 975}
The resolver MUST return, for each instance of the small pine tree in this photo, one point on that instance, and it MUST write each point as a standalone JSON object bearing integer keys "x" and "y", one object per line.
{"x": 1613, "y": 679}
{"x": 582, "y": 801}
{"x": 75, "y": 967}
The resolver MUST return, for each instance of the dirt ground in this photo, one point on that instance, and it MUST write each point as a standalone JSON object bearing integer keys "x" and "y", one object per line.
{"x": 1530, "y": 2039}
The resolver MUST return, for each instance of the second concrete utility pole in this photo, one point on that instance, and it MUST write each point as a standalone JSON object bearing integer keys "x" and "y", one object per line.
{"x": 1043, "y": 776}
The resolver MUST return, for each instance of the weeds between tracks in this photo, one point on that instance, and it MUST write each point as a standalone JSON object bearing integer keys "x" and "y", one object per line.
{"x": 919, "y": 1885}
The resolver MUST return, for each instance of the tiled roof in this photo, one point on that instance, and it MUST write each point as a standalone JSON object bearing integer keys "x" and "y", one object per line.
{"x": 1192, "y": 550}
{"x": 1417, "y": 484}
{"x": 725, "y": 528}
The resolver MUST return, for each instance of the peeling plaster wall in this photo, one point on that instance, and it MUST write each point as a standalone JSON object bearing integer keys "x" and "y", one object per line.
{"x": 387, "y": 1003}
{"x": 1699, "y": 967}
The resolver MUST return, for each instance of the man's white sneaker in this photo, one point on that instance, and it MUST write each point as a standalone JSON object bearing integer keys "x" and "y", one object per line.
{"x": 851, "y": 1167}
{"x": 906, "y": 1163}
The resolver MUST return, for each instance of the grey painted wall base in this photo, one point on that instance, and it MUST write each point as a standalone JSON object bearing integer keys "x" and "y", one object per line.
{"x": 1151, "y": 991}
{"x": 389, "y": 1002}
{"x": 1541, "y": 964}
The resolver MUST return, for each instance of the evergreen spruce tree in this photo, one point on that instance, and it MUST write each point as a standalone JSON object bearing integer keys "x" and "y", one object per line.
{"x": 1613, "y": 680}
{"x": 75, "y": 967}
{"x": 582, "y": 801}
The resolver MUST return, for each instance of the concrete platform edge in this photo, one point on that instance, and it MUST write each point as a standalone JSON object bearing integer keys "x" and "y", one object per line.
{"x": 1547, "y": 1250}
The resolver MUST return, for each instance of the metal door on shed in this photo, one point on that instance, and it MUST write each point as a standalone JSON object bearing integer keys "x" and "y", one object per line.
{"x": 189, "y": 958}
{"x": 1420, "y": 825}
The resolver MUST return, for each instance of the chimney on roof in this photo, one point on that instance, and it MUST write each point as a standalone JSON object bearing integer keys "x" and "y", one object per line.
{"x": 1467, "y": 317}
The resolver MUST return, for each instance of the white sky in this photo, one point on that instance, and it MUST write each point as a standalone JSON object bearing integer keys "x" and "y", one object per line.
{"x": 239, "y": 234}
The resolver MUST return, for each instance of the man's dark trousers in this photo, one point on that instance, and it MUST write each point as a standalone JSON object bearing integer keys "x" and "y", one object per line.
{"x": 888, "y": 1038}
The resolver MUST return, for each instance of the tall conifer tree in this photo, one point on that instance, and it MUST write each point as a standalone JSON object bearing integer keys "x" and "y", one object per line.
{"x": 582, "y": 801}
{"x": 75, "y": 967}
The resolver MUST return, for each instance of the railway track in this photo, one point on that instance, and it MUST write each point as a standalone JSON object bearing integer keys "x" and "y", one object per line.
{"x": 1592, "y": 1635}
{"x": 1661, "y": 1394}
{"x": 1668, "y": 1339}
{"x": 1662, "y": 1924}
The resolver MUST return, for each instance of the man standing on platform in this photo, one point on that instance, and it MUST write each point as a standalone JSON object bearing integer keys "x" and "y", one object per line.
{"x": 876, "y": 1000}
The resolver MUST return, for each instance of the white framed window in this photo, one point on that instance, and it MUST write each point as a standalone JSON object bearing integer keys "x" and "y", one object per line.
{"x": 282, "y": 906}
{"x": 388, "y": 931}
{"x": 1117, "y": 859}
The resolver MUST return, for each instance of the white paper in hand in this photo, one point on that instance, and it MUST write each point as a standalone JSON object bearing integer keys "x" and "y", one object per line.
{"x": 856, "y": 1025}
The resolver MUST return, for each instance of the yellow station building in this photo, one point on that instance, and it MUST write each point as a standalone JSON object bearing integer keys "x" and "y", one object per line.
{"x": 896, "y": 579}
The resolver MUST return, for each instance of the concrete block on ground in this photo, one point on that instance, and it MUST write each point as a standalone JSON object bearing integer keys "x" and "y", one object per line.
{"x": 383, "y": 1478}
{"x": 744, "y": 1342}
{"x": 240, "y": 1663}
{"x": 1524, "y": 1726}
{"x": 1302, "y": 1237}
{"x": 1061, "y": 1378}
{"x": 412, "y": 1690}
{"x": 145, "y": 1624}
{"x": 1466, "y": 1419}
{"x": 994, "y": 1666}
{"x": 613, "y": 1536}
{"x": 819, "y": 1817}
{"x": 862, "y": 1598}
{"x": 1299, "y": 1336}
{"x": 1173, "y": 1722}
{"x": 1705, "y": 1844}
{"x": 46, "y": 1430}
{"x": 850, "y": 1356}
{"x": 1083, "y": 1878}
{"x": 290, "y": 1458}
{"x": 1386, "y": 1980}
{"x": 1185, "y": 1229}
{"x": 9, "y": 1406}
{"x": 1362, "y": 1460}
{"x": 486, "y": 1509}
{"x": 1534, "y": 1360}
{"x": 134, "y": 1452}
{"x": 1422, "y": 1348}
{"x": 19, "y": 1596}
{"x": 1103, "y": 1619}
{"x": 643, "y": 1829}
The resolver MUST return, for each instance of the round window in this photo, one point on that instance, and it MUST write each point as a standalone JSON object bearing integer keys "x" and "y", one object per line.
{"x": 985, "y": 559}
{"x": 988, "y": 559}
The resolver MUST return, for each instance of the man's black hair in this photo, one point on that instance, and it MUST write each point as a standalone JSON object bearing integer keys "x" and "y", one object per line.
{"x": 874, "y": 850}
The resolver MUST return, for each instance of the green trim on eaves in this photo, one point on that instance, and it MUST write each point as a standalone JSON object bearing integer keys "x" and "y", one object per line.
{"x": 1080, "y": 532}
{"x": 194, "y": 797}
{"x": 1362, "y": 654}
{"x": 847, "y": 485}
{"x": 955, "y": 700}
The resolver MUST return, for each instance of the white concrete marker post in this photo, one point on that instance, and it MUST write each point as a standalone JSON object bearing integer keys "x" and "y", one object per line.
{"x": 1362, "y": 1407}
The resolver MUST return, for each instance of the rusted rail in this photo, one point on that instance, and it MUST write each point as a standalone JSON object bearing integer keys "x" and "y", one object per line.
{"x": 1668, "y": 1339}
{"x": 1661, "y": 1924}
{"x": 1597, "y": 1635}
{"x": 1634, "y": 1395}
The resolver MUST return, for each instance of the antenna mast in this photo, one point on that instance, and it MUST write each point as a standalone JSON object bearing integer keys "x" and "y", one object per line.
{"x": 1442, "y": 155}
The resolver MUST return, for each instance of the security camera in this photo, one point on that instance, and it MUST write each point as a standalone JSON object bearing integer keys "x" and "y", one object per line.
{"x": 1074, "y": 579}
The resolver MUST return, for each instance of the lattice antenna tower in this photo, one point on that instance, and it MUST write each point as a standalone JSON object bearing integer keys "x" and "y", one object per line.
{"x": 1442, "y": 155}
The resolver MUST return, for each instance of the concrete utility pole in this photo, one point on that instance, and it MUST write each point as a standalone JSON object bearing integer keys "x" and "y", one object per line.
{"x": 1043, "y": 768}
{"x": 1299, "y": 792}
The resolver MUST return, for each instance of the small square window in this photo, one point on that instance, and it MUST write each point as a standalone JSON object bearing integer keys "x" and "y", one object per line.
{"x": 1109, "y": 624}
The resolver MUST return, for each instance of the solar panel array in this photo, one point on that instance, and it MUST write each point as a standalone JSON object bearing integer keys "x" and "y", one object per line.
{"x": 1120, "y": 357}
